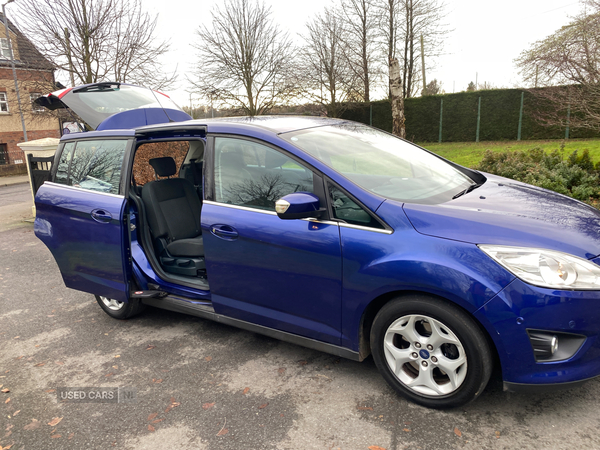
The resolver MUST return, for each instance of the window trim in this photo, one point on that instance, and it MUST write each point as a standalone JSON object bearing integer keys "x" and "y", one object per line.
{"x": 35, "y": 108}
{"x": 7, "y": 48}
{"x": 386, "y": 228}
{"x": 209, "y": 171}
{"x": 4, "y": 101}
{"x": 123, "y": 188}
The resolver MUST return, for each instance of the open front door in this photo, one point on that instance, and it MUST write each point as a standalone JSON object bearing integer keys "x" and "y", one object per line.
{"x": 82, "y": 217}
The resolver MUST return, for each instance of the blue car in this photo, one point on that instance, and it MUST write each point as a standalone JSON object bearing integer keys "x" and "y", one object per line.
{"x": 324, "y": 233}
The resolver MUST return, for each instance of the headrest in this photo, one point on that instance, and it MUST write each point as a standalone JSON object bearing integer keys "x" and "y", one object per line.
{"x": 164, "y": 167}
{"x": 274, "y": 159}
{"x": 233, "y": 159}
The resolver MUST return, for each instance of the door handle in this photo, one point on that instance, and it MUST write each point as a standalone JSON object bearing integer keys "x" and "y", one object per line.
{"x": 224, "y": 232}
{"x": 102, "y": 216}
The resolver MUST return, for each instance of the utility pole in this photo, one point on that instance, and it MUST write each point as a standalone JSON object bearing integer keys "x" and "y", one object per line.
{"x": 68, "y": 42}
{"x": 423, "y": 65}
{"x": 14, "y": 70}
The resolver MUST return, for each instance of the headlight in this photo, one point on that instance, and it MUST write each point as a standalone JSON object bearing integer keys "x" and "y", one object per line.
{"x": 546, "y": 268}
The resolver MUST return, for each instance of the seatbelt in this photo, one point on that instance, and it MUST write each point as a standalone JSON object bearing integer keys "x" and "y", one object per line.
{"x": 197, "y": 175}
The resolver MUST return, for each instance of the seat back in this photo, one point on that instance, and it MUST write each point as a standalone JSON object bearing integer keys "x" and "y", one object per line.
{"x": 172, "y": 204}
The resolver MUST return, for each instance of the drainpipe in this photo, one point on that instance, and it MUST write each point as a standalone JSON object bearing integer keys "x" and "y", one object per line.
{"x": 14, "y": 70}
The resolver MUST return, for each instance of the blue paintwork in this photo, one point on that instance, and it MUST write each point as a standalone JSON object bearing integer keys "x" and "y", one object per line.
{"x": 318, "y": 279}
{"x": 283, "y": 274}
{"x": 136, "y": 118}
{"x": 300, "y": 203}
{"x": 546, "y": 309}
{"x": 90, "y": 254}
{"x": 506, "y": 212}
{"x": 97, "y": 135}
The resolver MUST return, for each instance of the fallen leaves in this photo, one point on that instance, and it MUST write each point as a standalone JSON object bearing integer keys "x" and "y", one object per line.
{"x": 154, "y": 380}
{"x": 39, "y": 364}
{"x": 7, "y": 400}
{"x": 172, "y": 405}
{"x": 55, "y": 421}
{"x": 150, "y": 347}
{"x": 7, "y": 447}
{"x": 16, "y": 412}
{"x": 56, "y": 436}
{"x": 151, "y": 428}
{"x": 263, "y": 406}
{"x": 457, "y": 432}
{"x": 246, "y": 390}
{"x": 407, "y": 430}
{"x": 223, "y": 431}
{"x": 364, "y": 408}
{"x": 376, "y": 447}
{"x": 303, "y": 362}
{"x": 5, "y": 390}
{"x": 33, "y": 425}
{"x": 208, "y": 358}
{"x": 152, "y": 416}
{"x": 281, "y": 370}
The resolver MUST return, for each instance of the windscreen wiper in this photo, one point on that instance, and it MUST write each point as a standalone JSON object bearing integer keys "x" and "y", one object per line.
{"x": 467, "y": 190}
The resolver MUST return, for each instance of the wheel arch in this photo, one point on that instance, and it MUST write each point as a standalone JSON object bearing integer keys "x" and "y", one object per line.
{"x": 379, "y": 302}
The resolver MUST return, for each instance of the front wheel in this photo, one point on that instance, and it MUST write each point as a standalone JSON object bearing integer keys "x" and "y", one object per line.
{"x": 430, "y": 351}
{"x": 120, "y": 310}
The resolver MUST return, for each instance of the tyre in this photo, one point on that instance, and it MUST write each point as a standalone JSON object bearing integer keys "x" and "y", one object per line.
{"x": 120, "y": 310}
{"x": 430, "y": 351}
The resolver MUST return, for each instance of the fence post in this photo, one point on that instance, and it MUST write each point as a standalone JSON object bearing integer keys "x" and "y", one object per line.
{"x": 441, "y": 116}
{"x": 478, "y": 120}
{"x": 520, "y": 116}
{"x": 568, "y": 121}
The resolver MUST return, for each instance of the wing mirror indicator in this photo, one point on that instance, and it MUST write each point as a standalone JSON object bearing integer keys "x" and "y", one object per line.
{"x": 299, "y": 205}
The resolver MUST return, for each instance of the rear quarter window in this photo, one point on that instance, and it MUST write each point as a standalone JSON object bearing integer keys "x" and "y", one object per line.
{"x": 92, "y": 165}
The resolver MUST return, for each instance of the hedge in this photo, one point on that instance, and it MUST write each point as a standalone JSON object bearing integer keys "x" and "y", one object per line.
{"x": 499, "y": 117}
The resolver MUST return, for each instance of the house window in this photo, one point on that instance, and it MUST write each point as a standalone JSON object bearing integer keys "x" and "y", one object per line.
{"x": 35, "y": 107}
{"x": 3, "y": 103}
{"x": 4, "y": 50}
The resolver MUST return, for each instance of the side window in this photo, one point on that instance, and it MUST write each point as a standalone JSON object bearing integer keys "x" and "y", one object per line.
{"x": 143, "y": 171}
{"x": 344, "y": 208}
{"x": 62, "y": 171}
{"x": 251, "y": 174}
{"x": 93, "y": 165}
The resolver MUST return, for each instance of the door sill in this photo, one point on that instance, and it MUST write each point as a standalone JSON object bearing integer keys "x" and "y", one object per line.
{"x": 205, "y": 310}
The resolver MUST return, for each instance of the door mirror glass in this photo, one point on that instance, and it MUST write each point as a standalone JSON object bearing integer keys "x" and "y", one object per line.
{"x": 299, "y": 205}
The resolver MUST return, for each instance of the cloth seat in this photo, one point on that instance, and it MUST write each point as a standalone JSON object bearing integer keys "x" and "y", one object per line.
{"x": 173, "y": 210}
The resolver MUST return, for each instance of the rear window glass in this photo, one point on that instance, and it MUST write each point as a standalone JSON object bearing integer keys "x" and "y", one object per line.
{"x": 143, "y": 171}
{"x": 93, "y": 165}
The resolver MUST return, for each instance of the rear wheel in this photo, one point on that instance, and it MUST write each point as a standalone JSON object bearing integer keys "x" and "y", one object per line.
{"x": 120, "y": 310}
{"x": 430, "y": 351}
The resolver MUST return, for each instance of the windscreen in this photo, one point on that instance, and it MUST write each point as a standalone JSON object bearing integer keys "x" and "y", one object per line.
{"x": 382, "y": 163}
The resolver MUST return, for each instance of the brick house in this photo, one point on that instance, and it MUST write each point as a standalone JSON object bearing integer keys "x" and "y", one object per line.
{"x": 35, "y": 76}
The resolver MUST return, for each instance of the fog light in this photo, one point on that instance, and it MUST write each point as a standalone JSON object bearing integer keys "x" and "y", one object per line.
{"x": 551, "y": 346}
{"x": 544, "y": 344}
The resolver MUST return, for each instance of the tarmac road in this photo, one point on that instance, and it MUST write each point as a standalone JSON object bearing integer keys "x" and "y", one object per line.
{"x": 203, "y": 385}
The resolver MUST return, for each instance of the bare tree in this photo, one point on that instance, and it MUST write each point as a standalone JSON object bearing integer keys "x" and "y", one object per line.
{"x": 360, "y": 37}
{"x": 244, "y": 59}
{"x": 402, "y": 23}
{"x": 434, "y": 87}
{"x": 97, "y": 40}
{"x": 327, "y": 77}
{"x": 567, "y": 65}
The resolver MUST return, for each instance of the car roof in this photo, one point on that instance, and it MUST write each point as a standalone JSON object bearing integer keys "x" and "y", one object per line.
{"x": 274, "y": 124}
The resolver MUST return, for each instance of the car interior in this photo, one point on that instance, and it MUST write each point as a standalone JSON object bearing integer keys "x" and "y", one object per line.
{"x": 167, "y": 193}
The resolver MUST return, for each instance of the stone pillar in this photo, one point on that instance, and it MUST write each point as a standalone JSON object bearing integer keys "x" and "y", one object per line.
{"x": 38, "y": 148}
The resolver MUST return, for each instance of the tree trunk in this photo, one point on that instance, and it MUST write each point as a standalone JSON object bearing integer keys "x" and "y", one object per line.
{"x": 398, "y": 119}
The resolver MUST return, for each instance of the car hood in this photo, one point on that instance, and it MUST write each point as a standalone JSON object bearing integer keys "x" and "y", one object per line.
{"x": 109, "y": 106}
{"x": 506, "y": 212}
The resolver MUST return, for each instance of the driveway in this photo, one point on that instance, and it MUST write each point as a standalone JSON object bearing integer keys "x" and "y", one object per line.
{"x": 203, "y": 385}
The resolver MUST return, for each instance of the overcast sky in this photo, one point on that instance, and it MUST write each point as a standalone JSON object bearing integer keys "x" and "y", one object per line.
{"x": 487, "y": 35}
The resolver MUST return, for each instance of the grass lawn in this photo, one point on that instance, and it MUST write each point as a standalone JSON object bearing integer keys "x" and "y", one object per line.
{"x": 470, "y": 153}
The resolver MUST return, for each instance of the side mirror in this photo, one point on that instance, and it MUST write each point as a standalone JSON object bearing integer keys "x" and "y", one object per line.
{"x": 299, "y": 205}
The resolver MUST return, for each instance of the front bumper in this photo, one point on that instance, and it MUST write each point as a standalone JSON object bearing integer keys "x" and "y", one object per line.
{"x": 520, "y": 306}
